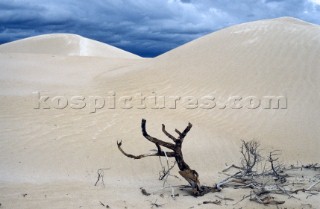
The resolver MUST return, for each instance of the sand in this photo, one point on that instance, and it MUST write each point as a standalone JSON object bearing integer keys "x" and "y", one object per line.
{"x": 53, "y": 155}
{"x": 65, "y": 44}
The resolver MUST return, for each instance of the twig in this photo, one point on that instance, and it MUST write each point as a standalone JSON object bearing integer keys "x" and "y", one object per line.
{"x": 224, "y": 198}
{"x": 310, "y": 187}
{"x": 218, "y": 186}
{"x": 165, "y": 172}
{"x": 168, "y": 173}
{"x": 100, "y": 173}
{"x": 155, "y": 204}
{"x": 216, "y": 202}
{"x": 286, "y": 192}
{"x": 101, "y": 203}
{"x": 232, "y": 166}
{"x": 243, "y": 198}
{"x": 144, "y": 191}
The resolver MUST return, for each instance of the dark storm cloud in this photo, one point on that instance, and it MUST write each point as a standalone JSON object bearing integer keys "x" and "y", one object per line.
{"x": 144, "y": 27}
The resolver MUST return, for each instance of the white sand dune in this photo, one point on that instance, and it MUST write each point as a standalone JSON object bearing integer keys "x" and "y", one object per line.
{"x": 53, "y": 155}
{"x": 64, "y": 44}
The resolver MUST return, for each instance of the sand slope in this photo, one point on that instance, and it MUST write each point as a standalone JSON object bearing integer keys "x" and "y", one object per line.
{"x": 53, "y": 155}
{"x": 271, "y": 57}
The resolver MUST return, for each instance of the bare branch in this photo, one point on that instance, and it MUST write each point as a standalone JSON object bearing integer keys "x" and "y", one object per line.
{"x": 167, "y": 134}
{"x": 153, "y": 139}
{"x": 177, "y": 131}
{"x": 232, "y": 166}
{"x": 169, "y": 154}
{"x": 272, "y": 160}
{"x": 218, "y": 185}
{"x": 268, "y": 200}
{"x": 165, "y": 172}
{"x": 185, "y": 132}
{"x": 310, "y": 187}
{"x": 250, "y": 153}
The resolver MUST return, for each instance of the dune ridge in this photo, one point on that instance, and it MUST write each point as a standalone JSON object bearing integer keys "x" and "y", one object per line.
{"x": 65, "y": 44}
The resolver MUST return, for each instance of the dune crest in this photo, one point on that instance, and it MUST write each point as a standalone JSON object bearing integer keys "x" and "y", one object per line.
{"x": 65, "y": 44}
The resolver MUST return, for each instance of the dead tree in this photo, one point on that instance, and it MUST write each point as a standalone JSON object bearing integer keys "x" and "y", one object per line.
{"x": 176, "y": 151}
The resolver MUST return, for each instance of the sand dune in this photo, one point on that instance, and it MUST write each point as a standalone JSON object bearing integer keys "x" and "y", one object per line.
{"x": 64, "y": 44}
{"x": 272, "y": 57}
{"x": 53, "y": 155}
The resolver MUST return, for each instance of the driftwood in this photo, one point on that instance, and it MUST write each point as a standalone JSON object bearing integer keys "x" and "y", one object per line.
{"x": 186, "y": 172}
{"x": 263, "y": 184}
{"x": 275, "y": 179}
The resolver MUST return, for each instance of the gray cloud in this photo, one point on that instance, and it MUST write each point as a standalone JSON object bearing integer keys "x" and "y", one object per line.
{"x": 147, "y": 28}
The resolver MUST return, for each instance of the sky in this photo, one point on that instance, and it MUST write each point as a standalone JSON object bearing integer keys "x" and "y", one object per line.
{"x": 144, "y": 27}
